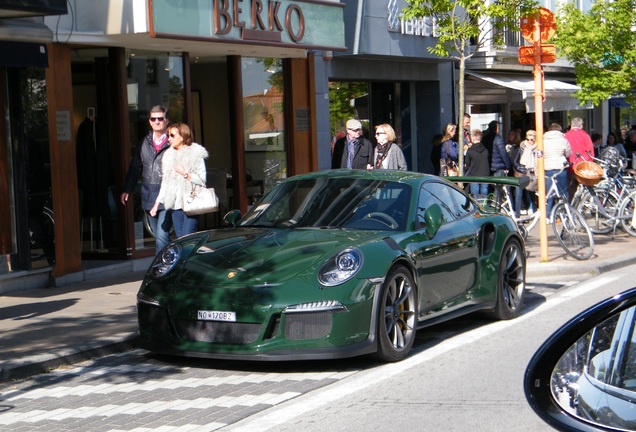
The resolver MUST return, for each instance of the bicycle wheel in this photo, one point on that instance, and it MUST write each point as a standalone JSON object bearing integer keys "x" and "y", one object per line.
{"x": 626, "y": 212}
{"x": 572, "y": 232}
{"x": 598, "y": 222}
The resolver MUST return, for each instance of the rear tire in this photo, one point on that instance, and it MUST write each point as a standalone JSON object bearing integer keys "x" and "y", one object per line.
{"x": 599, "y": 223}
{"x": 626, "y": 213}
{"x": 511, "y": 281}
{"x": 396, "y": 315}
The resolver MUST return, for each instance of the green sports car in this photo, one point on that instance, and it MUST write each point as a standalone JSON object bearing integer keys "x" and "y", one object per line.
{"x": 333, "y": 264}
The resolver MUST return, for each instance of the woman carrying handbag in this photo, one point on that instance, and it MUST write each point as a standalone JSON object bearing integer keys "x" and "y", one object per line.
{"x": 450, "y": 152}
{"x": 183, "y": 165}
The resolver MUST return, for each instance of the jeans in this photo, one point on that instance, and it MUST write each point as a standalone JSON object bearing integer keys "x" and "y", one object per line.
{"x": 498, "y": 173}
{"x": 160, "y": 225}
{"x": 183, "y": 224}
{"x": 479, "y": 189}
{"x": 562, "y": 184}
{"x": 518, "y": 194}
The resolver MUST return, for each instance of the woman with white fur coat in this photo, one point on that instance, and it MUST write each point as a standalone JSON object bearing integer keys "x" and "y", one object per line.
{"x": 183, "y": 164}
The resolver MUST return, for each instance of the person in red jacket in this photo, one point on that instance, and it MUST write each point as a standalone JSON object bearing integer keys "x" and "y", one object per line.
{"x": 582, "y": 150}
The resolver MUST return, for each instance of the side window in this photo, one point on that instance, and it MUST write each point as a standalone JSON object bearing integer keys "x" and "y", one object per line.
{"x": 462, "y": 204}
{"x": 601, "y": 348}
{"x": 440, "y": 194}
{"x": 627, "y": 370}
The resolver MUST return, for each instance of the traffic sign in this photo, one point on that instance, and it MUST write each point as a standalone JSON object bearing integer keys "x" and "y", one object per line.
{"x": 547, "y": 24}
{"x": 526, "y": 54}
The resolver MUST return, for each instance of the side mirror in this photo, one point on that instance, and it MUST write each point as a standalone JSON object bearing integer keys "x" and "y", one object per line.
{"x": 232, "y": 218}
{"x": 583, "y": 378}
{"x": 434, "y": 219}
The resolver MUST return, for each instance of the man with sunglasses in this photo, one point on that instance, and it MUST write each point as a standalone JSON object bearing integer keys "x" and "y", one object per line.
{"x": 146, "y": 163}
{"x": 352, "y": 151}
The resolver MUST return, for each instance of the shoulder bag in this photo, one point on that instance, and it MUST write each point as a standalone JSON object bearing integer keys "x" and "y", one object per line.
{"x": 200, "y": 200}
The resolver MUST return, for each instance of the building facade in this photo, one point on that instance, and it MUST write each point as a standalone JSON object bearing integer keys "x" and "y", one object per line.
{"x": 253, "y": 81}
{"x": 240, "y": 74}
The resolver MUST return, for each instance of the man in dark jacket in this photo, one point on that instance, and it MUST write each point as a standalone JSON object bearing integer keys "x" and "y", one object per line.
{"x": 352, "y": 151}
{"x": 146, "y": 163}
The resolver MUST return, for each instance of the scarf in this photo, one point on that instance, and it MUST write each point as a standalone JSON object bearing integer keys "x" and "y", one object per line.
{"x": 351, "y": 150}
{"x": 382, "y": 152}
{"x": 528, "y": 158}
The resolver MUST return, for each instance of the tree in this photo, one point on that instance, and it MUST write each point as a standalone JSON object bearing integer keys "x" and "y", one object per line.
{"x": 465, "y": 26}
{"x": 340, "y": 107}
{"x": 601, "y": 44}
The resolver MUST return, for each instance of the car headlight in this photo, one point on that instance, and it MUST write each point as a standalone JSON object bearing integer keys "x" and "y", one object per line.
{"x": 340, "y": 268}
{"x": 165, "y": 261}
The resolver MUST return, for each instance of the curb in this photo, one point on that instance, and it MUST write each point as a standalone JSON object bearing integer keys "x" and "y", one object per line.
{"x": 538, "y": 269}
{"x": 29, "y": 366}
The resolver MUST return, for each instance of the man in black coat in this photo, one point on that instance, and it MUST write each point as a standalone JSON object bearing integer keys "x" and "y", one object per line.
{"x": 352, "y": 151}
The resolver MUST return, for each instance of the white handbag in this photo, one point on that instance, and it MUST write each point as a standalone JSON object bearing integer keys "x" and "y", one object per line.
{"x": 200, "y": 200}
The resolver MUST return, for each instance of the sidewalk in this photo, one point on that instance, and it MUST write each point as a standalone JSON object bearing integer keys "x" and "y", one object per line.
{"x": 49, "y": 327}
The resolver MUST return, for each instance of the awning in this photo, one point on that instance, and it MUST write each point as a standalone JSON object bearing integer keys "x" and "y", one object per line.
{"x": 558, "y": 94}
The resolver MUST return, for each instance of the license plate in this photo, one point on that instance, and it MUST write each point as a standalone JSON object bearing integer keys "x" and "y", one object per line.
{"x": 217, "y": 316}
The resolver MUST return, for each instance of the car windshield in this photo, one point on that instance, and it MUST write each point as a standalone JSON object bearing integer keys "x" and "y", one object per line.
{"x": 333, "y": 202}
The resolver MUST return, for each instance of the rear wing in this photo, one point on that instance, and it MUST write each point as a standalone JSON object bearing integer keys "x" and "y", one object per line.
{"x": 521, "y": 182}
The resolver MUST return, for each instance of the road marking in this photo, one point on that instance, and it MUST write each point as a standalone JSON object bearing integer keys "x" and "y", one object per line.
{"x": 111, "y": 410}
{"x": 281, "y": 414}
{"x": 153, "y": 385}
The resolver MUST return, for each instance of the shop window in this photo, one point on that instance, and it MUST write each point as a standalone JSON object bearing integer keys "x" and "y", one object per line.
{"x": 264, "y": 114}
{"x": 153, "y": 78}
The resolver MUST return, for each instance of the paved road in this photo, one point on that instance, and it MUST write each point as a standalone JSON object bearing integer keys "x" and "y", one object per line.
{"x": 135, "y": 391}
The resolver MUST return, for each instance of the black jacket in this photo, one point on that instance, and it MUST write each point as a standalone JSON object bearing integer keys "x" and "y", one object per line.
{"x": 476, "y": 161}
{"x": 146, "y": 163}
{"x": 363, "y": 154}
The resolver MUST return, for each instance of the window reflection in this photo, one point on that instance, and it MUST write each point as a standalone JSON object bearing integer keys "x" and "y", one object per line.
{"x": 263, "y": 109}
{"x": 154, "y": 78}
{"x": 596, "y": 377}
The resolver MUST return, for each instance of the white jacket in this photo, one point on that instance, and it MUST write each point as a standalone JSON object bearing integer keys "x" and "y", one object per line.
{"x": 175, "y": 185}
{"x": 556, "y": 150}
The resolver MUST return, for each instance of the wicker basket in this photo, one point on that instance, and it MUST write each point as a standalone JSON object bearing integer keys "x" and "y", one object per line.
{"x": 588, "y": 173}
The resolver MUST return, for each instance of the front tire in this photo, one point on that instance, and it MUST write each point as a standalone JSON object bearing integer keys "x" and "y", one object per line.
{"x": 397, "y": 315}
{"x": 572, "y": 232}
{"x": 511, "y": 281}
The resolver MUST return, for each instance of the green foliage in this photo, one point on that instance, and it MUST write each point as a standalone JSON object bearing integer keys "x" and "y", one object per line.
{"x": 177, "y": 99}
{"x": 460, "y": 30}
{"x": 340, "y": 108}
{"x": 457, "y": 23}
{"x": 601, "y": 44}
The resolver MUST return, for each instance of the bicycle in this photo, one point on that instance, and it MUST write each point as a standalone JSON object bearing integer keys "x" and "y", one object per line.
{"x": 569, "y": 226}
{"x": 606, "y": 204}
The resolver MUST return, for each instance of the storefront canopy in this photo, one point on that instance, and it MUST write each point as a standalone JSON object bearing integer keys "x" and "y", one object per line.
{"x": 558, "y": 94}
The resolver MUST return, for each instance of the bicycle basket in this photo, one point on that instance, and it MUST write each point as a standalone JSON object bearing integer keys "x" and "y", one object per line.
{"x": 588, "y": 173}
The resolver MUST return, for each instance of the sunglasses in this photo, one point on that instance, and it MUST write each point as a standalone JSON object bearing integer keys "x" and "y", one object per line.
{"x": 173, "y": 135}
{"x": 155, "y": 119}
{"x": 380, "y": 133}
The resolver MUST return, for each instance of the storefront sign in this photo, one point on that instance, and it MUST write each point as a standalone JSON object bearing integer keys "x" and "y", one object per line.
{"x": 302, "y": 119}
{"x": 63, "y": 124}
{"x": 418, "y": 27}
{"x": 315, "y": 24}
